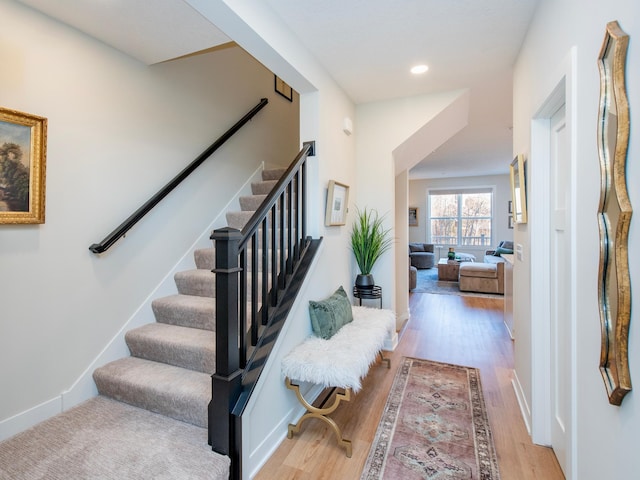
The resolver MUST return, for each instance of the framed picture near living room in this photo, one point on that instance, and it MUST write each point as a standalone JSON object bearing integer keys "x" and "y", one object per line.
{"x": 337, "y": 201}
{"x": 413, "y": 216}
{"x": 518, "y": 190}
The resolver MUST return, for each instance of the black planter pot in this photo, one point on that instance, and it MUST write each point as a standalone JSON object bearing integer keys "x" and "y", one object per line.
{"x": 365, "y": 282}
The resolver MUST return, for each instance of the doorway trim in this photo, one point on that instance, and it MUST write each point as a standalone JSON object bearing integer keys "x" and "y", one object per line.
{"x": 563, "y": 91}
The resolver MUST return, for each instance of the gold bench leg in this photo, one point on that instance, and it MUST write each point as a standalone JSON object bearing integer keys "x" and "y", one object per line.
{"x": 321, "y": 414}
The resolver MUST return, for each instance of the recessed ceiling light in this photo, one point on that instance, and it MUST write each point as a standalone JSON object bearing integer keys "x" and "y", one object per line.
{"x": 418, "y": 69}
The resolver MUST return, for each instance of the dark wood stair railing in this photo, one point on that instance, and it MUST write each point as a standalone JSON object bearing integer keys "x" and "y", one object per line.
{"x": 259, "y": 272}
{"x": 136, "y": 216}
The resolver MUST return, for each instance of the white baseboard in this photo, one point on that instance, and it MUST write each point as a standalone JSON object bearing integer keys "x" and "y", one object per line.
{"x": 270, "y": 444}
{"x": 271, "y": 389}
{"x": 20, "y": 422}
{"x": 391, "y": 342}
{"x": 522, "y": 401}
{"x": 402, "y": 318}
{"x": 509, "y": 330}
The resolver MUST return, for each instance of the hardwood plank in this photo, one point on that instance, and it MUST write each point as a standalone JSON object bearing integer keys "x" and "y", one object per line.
{"x": 463, "y": 330}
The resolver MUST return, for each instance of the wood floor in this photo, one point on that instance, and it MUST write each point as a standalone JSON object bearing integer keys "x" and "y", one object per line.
{"x": 463, "y": 330}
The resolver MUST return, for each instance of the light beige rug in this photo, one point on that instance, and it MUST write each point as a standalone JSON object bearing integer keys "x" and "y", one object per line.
{"x": 427, "y": 282}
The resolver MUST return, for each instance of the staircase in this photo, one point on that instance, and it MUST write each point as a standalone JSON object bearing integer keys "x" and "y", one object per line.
{"x": 171, "y": 363}
{"x": 249, "y": 204}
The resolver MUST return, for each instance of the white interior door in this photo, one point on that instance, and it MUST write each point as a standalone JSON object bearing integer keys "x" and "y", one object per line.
{"x": 560, "y": 285}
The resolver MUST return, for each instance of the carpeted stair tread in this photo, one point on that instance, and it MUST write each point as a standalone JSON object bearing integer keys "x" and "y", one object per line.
{"x": 201, "y": 282}
{"x": 186, "y": 310}
{"x": 172, "y": 391}
{"x": 251, "y": 202}
{"x": 205, "y": 258}
{"x": 198, "y": 282}
{"x": 184, "y": 347}
{"x": 262, "y": 188}
{"x": 238, "y": 219}
{"x": 273, "y": 173}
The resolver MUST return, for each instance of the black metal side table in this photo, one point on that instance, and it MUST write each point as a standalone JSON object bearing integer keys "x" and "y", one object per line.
{"x": 374, "y": 293}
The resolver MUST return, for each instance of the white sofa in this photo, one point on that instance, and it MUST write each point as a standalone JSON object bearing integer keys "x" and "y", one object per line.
{"x": 493, "y": 256}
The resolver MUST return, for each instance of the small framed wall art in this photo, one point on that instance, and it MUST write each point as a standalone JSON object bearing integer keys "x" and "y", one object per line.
{"x": 413, "y": 216}
{"x": 337, "y": 201}
{"x": 23, "y": 142}
{"x": 282, "y": 88}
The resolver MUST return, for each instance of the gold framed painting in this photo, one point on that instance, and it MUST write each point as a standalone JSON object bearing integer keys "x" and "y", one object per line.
{"x": 23, "y": 140}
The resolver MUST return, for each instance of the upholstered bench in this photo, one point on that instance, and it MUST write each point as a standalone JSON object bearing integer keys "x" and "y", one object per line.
{"x": 481, "y": 277}
{"x": 341, "y": 361}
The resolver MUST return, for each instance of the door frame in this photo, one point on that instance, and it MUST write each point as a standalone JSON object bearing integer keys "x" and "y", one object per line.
{"x": 563, "y": 91}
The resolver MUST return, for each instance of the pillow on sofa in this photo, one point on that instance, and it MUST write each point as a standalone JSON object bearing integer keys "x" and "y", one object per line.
{"x": 501, "y": 250}
{"x": 329, "y": 315}
{"x": 416, "y": 247}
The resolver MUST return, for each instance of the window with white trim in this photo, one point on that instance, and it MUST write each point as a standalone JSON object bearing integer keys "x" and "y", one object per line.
{"x": 460, "y": 217}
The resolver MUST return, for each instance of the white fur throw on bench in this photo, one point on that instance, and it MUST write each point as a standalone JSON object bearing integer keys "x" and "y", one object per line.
{"x": 344, "y": 359}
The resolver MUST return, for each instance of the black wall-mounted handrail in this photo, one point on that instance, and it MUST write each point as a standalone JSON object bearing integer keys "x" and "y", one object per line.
{"x": 125, "y": 226}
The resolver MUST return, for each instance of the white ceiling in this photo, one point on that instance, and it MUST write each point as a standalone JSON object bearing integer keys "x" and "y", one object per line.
{"x": 151, "y": 31}
{"x": 367, "y": 46}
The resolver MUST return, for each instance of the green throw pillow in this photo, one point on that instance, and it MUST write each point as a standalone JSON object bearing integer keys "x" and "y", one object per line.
{"x": 327, "y": 316}
{"x": 501, "y": 250}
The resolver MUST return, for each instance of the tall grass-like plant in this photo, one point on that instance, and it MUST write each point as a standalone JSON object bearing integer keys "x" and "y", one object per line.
{"x": 369, "y": 239}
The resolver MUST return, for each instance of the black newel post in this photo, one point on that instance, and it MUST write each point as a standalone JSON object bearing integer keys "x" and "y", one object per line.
{"x": 226, "y": 381}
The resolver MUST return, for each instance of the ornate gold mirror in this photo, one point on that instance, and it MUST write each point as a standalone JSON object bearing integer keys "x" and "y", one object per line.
{"x": 614, "y": 215}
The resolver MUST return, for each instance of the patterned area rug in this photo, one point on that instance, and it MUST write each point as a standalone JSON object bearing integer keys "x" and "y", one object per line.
{"x": 434, "y": 426}
{"x": 428, "y": 283}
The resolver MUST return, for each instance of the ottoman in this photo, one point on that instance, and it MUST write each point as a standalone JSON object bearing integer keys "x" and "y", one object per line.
{"x": 413, "y": 278}
{"x": 482, "y": 277}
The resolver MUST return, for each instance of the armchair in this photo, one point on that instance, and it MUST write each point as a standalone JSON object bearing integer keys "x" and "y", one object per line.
{"x": 421, "y": 255}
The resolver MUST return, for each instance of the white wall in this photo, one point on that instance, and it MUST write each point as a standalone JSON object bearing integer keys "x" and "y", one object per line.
{"x": 323, "y": 108}
{"x": 118, "y": 131}
{"x": 402, "y": 238}
{"x": 605, "y": 436}
{"x": 385, "y": 133}
{"x": 418, "y": 191}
